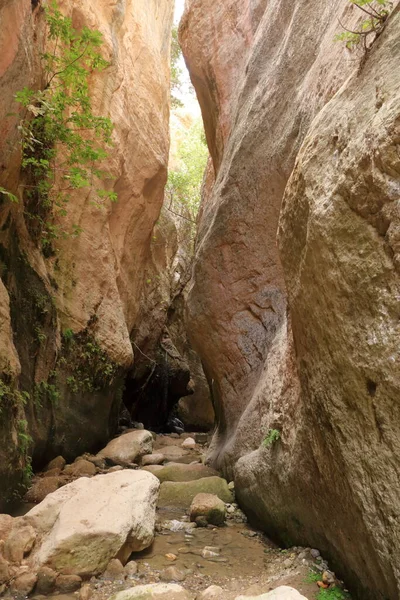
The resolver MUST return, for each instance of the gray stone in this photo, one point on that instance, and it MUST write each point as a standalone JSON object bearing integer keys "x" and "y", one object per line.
{"x": 57, "y": 463}
{"x": 23, "y": 584}
{"x": 152, "y": 459}
{"x": 181, "y": 494}
{"x": 172, "y": 574}
{"x": 115, "y": 570}
{"x": 46, "y": 581}
{"x": 208, "y": 506}
{"x": 131, "y": 568}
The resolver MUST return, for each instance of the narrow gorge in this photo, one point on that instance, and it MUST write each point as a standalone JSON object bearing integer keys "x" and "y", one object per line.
{"x": 199, "y": 342}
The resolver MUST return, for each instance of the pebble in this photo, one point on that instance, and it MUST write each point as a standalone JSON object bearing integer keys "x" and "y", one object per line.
{"x": 172, "y": 574}
{"x": 171, "y": 556}
{"x": 213, "y": 592}
{"x": 189, "y": 444}
{"x": 288, "y": 562}
{"x": 131, "y": 568}
{"x": 315, "y": 553}
{"x": 85, "y": 592}
{"x": 114, "y": 570}
{"x": 209, "y": 553}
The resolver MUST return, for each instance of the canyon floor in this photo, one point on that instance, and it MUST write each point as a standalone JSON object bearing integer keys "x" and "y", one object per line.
{"x": 235, "y": 557}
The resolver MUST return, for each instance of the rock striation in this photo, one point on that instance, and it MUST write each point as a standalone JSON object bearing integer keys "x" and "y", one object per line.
{"x": 72, "y": 314}
{"x": 299, "y": 346}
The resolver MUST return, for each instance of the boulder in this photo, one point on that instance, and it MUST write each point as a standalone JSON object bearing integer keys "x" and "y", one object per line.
{"x": 128, "y": 447}
{"x": 281, "y": 593}
{"x": 46, "y": 581}
{"x": 114, "y": 570}
{"x": 181, "y": 494}
{"x": 130, "y": 568}
{"x": 165, "y": 440}
{"x": 153, "y": 469}
{"x": 23, "y": 584}
{"x": 152, "y": 459}
{"x": 20, "y": 541}
{"x": 172, "y": 452}
{"x": 154, "y": 591}
{"x": 208, "y": 506}
{"x": 57, "y": 463}
{"x": 52, "y": 472}
{"x": 40, "y": 488}
{"x": 66, "y": 584}
{"x": 184, "y": 472}
{"x": 88, "y": 522}
{"x": 6, "y": 523}
{"x": 81, "y": 468}
{"x": 86, "y": 592}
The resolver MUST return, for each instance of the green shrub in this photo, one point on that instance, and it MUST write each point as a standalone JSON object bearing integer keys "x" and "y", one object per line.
{"x": 63, "y": 142}
{"x": 377, "y": 12}
{"x": 333, "y": 593}
{"x": 273, "y": 435}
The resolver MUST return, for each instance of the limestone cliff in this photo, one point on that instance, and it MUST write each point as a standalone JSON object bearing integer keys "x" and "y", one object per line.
{"x": 331, "y": 393}
{"x": 72, "y": 314}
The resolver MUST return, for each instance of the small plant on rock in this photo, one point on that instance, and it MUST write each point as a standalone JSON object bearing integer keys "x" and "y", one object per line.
{"x": 63, "y": 141}
{"x": 313, "y": 577}
{"x": 333, "y": 593}
{"x": 273, "y": 435}
{"x": 377, "y": 12}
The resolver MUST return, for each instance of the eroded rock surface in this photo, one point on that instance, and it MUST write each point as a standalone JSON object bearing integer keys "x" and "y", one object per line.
{"x": 307, "y": 453}
{"x": 90, "y": 286}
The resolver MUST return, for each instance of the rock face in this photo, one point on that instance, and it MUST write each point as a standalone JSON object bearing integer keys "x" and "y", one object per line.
{"x": 330, "y": 393}
{"x": 340, "y": 245}
{"x": 90, "y": 521}
{"x": 91, "y": 287}
{"x": 238, "y": 293}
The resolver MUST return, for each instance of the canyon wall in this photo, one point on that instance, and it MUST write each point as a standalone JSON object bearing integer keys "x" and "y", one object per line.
{"x": 315, "y": 363}
{"x": 67, "y": 318}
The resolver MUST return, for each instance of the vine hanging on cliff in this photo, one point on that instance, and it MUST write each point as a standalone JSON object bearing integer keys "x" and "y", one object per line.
{"x": 63, "y": 142}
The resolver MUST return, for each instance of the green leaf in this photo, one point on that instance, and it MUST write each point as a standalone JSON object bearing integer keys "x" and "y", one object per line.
{"x": 8, "y": 194}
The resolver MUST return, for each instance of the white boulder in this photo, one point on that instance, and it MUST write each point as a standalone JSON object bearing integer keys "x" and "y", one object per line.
{"x": 85, "y": 524}
{"x": 128, "y": 447}
{"x": 154, "y": 591}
